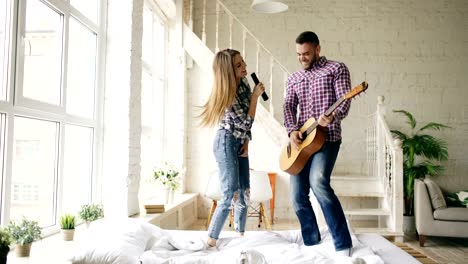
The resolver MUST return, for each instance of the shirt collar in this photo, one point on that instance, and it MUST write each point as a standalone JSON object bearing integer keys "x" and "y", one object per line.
{"x": 318, "y": 64}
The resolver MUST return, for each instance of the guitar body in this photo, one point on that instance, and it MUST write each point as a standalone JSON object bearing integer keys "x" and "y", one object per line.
{"x": 293, "y": 160}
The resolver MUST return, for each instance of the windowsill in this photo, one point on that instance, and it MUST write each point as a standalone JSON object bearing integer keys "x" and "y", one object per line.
{"x": 180, "y": 200}
{"x": 53, "y": 249}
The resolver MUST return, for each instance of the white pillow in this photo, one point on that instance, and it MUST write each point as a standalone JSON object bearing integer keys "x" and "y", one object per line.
{"x": 112, "y": 241}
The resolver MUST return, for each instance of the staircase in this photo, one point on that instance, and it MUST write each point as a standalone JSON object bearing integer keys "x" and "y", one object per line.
{"x": 373, "y": 203}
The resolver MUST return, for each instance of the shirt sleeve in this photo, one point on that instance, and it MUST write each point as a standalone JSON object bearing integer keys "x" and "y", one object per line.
{"x": 342, "y": 87}
{"x": 290, "y": 108}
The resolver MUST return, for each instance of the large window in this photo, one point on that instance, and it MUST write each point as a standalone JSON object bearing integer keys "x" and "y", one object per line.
{"x": 5, "y": 25}
{"x": 48, "y": 116}
{"x": 153, "y": 94}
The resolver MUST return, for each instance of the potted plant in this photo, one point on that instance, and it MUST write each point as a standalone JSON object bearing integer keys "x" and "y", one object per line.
{"x": 5, "y": 241}
{"x": 23, "y": 234}
{"x": 420, "y": 152}
{"x": 67, "y": 224}
{"x": 168, "y": 175}
{"x": 91, "y": 212}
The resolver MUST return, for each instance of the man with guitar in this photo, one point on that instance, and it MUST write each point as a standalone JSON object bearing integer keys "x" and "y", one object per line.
{"x": 316, "y": 88}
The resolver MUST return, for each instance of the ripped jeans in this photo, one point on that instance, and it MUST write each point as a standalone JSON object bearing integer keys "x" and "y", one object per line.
{"x": 234, "y": 179}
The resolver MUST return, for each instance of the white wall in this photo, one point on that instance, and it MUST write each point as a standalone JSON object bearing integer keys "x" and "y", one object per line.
{"x": 414, "y": 52}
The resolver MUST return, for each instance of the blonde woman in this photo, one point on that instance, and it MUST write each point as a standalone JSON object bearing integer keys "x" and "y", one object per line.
{"x": 231, "y": 105}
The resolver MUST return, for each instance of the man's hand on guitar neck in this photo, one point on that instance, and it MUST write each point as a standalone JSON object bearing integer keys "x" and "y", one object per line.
{"x": 326, "y": 120}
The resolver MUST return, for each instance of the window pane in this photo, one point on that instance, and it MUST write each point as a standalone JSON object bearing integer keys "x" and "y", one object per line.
{"x": 33, "y": 185}
{"x": 89, "y": 8}
{"x": 147, "y": 105}
{"x": 42, "y": 53}
{"x": 2, "y": 144}
{"x": 81, "y": 70}
{"x": 77, "y": 171}
{"x": 4, "y": 31}
{"x": 148, "y": 188}
{"x": 160, "y": 47}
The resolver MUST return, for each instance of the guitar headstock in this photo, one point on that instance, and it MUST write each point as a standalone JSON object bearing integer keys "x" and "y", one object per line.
{"x": 356, "y": 90}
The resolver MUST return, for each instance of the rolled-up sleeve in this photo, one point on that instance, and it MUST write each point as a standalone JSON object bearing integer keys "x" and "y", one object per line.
{"x": 342, "y": 87}
{"x": 290, "y": 108}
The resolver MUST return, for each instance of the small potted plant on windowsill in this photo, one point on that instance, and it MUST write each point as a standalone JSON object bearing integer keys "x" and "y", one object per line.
{"x": 67, "y": 224}
{"x": 24, "y": 233}
{"x": 5, "y": 241}
{"x": 91, "y": 212}
{"x": 168, "y": 175}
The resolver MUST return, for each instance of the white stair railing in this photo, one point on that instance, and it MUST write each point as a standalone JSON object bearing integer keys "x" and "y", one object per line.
{"x": 385, "y": 159}
{"x": 271, "y": 72}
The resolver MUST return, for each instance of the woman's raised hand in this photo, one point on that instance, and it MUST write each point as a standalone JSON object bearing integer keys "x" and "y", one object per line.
{"x": 258, "y": 90}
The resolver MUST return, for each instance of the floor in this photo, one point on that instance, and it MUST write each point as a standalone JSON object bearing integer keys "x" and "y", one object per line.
{"x": 442, "y": 250}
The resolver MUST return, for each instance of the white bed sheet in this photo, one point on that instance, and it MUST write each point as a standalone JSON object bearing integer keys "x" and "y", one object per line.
{"x": 277, "y": 247}
{"x": 128, "y": 241}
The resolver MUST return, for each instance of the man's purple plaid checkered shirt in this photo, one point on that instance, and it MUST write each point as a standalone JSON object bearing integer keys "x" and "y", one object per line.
{"x": 315, "y": 90}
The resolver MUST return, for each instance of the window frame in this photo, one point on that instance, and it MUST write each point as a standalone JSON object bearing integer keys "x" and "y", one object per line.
{"x": 17, "y": 105}
{"x": 158, "y": 138}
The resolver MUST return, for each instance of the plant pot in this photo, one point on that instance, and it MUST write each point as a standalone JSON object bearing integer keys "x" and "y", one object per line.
{"x": 3, "y": 259}
{"x": 87, "y": 223}
{"x": 409, "y": 225}
{"x": 67, "y": 234}
{"x": 23, "y": 250}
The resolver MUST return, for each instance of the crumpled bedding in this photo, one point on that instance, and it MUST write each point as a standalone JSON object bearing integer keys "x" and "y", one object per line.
{"x": 133, "y": 241}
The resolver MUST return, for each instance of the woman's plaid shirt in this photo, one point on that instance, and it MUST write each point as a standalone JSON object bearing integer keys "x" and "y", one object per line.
{"x": 315, "y": 90}
{"x": 235, "y": 118}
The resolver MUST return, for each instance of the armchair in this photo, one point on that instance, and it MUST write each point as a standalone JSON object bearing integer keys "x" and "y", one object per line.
{"x": 448, "y": 221}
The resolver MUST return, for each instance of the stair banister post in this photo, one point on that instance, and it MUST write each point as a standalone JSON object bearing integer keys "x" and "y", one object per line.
{"x": 204, "y": 23}
{"x": 244, "y": 39}
{"x": 272, "y": 61}
{"x": 380, "y": 139}
{"x": 398, "y": 185}
{"x": 217, "y": 28}
{"x": 380, "y": 105}
{"x": 231, "y": 21}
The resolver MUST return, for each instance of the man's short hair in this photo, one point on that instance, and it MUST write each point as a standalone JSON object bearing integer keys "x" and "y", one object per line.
{"x": 307, "y": 36}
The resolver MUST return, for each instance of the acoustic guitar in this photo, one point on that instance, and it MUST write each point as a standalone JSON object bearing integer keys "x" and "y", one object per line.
{"x": 293, "y": 160}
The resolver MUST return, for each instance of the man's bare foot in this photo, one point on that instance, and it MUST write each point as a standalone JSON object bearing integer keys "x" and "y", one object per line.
{"x": 241, "y": 234}
{"x": 211, "y": 242}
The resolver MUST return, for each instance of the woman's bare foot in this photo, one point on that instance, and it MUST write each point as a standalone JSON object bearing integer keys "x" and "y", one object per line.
{"x": 211, "y": 242}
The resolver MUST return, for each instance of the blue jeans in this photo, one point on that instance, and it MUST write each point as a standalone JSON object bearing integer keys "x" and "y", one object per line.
{"x": 316, "y": 176}
{"x": 234, "y": 179}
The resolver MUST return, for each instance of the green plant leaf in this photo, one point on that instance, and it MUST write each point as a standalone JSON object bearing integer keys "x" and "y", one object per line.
{"x": 25, "y": 231}
{"x": 434, "y": 126}
{"x": 420, "y": 151}
{"x": 411, "y": 121}
{"x": 91, "y": 212}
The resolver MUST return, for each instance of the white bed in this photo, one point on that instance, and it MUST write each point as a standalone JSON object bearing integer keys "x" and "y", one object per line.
{"x": 134, "y": 241}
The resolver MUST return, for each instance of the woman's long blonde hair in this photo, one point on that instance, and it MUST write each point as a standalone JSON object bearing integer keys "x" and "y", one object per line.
{"x": 224, "y": 87}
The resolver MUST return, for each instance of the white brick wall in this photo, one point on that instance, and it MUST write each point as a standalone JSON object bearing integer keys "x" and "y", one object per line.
{"x": 414, "y": 52}
{"x": 122, "y": 110}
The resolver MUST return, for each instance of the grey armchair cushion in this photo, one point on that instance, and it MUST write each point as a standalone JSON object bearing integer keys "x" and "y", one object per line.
{"x": 452, "y": 214}
{"x": 437, "y": 198}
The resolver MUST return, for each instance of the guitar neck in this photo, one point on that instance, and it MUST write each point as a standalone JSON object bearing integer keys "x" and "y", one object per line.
{"x": 327, "y": 113}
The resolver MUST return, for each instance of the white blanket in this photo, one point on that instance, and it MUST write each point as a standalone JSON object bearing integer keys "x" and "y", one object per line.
{"x": 259, "y": 247}
{"x": 131, "y": 241}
